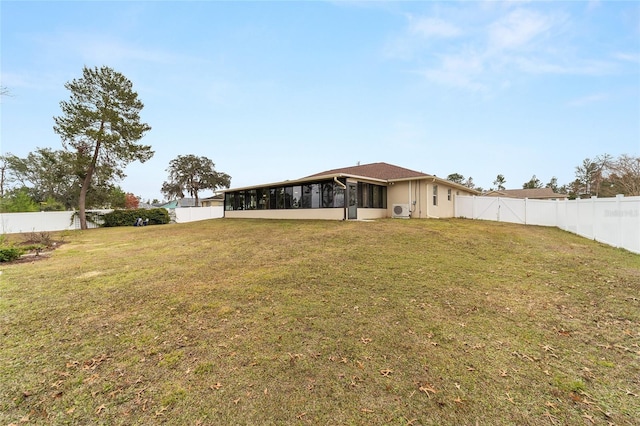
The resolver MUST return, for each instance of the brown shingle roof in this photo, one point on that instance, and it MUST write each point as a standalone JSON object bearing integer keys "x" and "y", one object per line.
{"x": 382, "y": 171}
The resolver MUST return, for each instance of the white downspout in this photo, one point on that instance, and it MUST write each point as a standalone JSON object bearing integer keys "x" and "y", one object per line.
{"x": 346, "y": 198}
{"x": 410, "y": 205}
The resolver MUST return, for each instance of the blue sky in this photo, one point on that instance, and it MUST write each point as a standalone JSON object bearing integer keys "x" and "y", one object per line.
{"x": 272, "y": 91}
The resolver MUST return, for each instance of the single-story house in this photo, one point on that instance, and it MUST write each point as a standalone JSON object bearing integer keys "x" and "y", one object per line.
{"x": 531, "y": 193}
{"x": 368, "y": 191}
{"x": 182, "y": 202}
{"x": 216, "y": 200}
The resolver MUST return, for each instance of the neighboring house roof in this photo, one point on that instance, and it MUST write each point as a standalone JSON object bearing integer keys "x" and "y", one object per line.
{"x": 382, "y": 172}
{"x": 533, "y": 193}
{"x": 183, "y": 202}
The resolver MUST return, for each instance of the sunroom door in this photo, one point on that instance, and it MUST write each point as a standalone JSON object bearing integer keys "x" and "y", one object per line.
{"x": 352, "y": 191}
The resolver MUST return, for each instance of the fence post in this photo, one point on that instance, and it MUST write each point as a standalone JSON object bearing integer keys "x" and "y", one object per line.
{"x": 593, "y": 217}
{"x": 619, "y": 242}
{"x": 473, "y": 207}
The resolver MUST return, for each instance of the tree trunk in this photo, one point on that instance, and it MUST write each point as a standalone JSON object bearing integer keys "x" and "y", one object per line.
{"x": 81, "y": 203}
{"x": 87, "y": 183}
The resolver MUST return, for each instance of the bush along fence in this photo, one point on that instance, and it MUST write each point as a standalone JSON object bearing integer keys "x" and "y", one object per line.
{"x": 613, "y": 221}
{"x": 131, "y": 217}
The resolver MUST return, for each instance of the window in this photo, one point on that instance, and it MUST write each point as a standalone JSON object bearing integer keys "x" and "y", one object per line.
{"x": 288, "y": 195}
{"x": 273, "y": 204}
{"x": 240, "y": 201}
{"x": 449, "y": 194}
{"x": 435, "y": 195}
{"x": 338, "y": 196}
{"x": 310, "y": 196}
{"x": 327, "y": 194}
{"x": 251, "y": 200}
{"x": 229, "y": 198}
{"x": 372, "y": 196}
{"x": 280, "y": 198}
{"x": 324, "y": 194}
{"x": 297, "y": 197}
{"x": 262, "y": 195}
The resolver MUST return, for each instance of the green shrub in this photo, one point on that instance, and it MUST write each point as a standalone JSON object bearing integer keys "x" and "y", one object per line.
{"x": 128, "y": 217}
{"x": 7, "y": 254}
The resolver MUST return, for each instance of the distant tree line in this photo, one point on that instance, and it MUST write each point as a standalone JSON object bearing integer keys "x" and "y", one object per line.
{"x": 603, "y": 176}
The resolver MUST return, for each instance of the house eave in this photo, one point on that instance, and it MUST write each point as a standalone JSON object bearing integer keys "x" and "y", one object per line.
{"x": 438, "y": 180}
{"x": 305, "y": 180}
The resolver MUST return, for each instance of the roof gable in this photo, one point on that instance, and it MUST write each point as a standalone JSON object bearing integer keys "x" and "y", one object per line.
{"x": 383, "y": 171}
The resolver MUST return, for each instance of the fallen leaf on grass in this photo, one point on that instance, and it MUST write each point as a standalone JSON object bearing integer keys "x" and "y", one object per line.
{"x": 553, "y": 419}
{"x": 216, "y": 386}
{"x": 386, "y": 372}
{"x": 100, "y": 409}
{"x": 426, "y": 388}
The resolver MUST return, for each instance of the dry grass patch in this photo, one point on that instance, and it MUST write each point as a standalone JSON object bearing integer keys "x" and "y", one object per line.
{"x": 313, "y": 322}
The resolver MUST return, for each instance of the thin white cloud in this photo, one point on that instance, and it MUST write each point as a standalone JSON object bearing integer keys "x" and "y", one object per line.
{"x": 96, "y": 48}
{"x": 627, "y": 57}
{"x": 498, "y": 42}
{"x": 586, "y": 100}
{"x": 433, "y": 28}
{"x": 460, "y": 71}
{"x": 29, "y": 80}
{"x": 577, "y": 67}
{"x": 420, "y": 30}
{"x": 517, "y": 29}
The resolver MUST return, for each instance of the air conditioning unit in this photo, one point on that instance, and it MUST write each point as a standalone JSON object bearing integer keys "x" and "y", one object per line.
{"x": 401, "y": 211}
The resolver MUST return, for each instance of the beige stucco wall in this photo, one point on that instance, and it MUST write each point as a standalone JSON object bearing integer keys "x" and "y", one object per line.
{"x": 419, "y": 195}
{"x": 368, "y": 214}
{"x": 326, "y": 214}
{"x": 212, "y": 203}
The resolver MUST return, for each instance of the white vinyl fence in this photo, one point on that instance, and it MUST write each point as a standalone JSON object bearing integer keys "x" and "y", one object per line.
{"x": 192, "y": 214}
{"x": 16, "y": 223}
{"x": 613, "y": 221}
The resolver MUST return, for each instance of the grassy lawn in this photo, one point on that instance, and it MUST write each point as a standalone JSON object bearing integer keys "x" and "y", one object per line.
{"x": 393, "y": 322}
